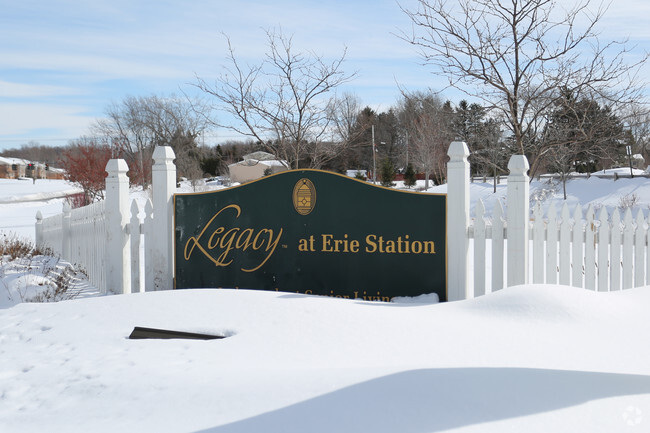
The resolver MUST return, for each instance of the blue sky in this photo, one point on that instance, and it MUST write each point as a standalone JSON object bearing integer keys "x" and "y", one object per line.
{"x": 64, "y": 61}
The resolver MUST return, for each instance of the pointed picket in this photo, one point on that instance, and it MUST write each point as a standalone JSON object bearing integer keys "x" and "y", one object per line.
{"x": 479, "y": 250}
{"x": 551, "y": 245}
{"x": 639, "y": 250}
{"x": 577, "y": 240}
{"x": 148, "y": 244}
{"x": 603, "y": 251}
{"x": 565, "y": 246}
{"x": 616, "y": 240}
{"x": 497, "y": 247}
{"x": 647, "y": 244}
{"x": 134, "y": 231}
{"x": 628, "y": 250}
{"x": 590, "y": 249}
{"x": 538, "y": 244}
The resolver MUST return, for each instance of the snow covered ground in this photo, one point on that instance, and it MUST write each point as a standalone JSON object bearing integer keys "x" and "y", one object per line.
{"x": 534, "y": 358}
{"x": 21, "y": 199}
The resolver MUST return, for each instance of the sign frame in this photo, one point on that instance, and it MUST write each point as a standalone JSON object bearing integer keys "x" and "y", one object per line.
{"x": 311, "y": 241}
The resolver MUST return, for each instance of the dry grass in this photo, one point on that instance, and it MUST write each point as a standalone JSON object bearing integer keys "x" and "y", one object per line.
{"x": 56, "y": 277}
{"x": 14, "y": 247}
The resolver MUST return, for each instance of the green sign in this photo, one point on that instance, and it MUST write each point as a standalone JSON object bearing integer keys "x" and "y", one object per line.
{"x": 314, "y": 232}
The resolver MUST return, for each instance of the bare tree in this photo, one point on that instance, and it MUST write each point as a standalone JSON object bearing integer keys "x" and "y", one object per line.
{"x": 491, "y": 150}
{"x": 516, "y": 54}
{"x": 84, "y": 162}
{"x": 637, "y": 121}
{"x": 136, "y": 125}
{"x": 428, "y": 123}
{"x": 342, "y": 133}
{"x": 281, "y": 102}
{"x": 34, "y": 151}
{"x": 344, "y": 114}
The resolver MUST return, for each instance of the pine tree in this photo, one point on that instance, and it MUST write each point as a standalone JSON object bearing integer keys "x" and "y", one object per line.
{"x": 387, "y": 172}
{"x": 410, "y": 177}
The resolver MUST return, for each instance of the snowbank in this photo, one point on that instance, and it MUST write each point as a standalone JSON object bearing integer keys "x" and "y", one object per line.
{"x": 525, "y": 359}
{"x": 529, "y": 358}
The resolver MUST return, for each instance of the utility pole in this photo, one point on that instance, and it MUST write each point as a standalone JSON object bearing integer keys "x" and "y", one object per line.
{"x": 407, "y": 148}
{"x": 628, "y": 150}
{"x": 374, "y": 162}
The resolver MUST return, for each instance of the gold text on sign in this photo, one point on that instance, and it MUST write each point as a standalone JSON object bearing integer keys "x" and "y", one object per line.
{"x": 371, "y": 244}
{"x": 217, "y": 242}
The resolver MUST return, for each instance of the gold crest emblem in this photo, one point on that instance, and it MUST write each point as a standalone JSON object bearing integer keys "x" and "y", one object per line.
{"x": 304, "y": 196}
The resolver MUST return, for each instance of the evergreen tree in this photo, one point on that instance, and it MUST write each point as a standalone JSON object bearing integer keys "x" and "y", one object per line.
{"x": 387, "y": 172}
{"x": 410, "y": 177}
{"x": 581, "y": 135}
{"x": 468, "y": 125}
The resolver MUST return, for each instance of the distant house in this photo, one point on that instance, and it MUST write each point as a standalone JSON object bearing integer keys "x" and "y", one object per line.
{"x": 357, "y": 173}
{"x": 638, "y": 161}
{"x": 254, "y": 166}
{"x": 12, "y": 168}
{"x": 54, "y": 173}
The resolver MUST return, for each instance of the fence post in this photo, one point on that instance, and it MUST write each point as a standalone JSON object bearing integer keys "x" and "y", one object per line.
{"x": 517, "y": 220}
{"x": 457, "y": 221}
{"x": 39, "y": 228}
{"x": 163, "y": 176}
{"x": 118, "y": 251}
{"x": 66, "y": 234}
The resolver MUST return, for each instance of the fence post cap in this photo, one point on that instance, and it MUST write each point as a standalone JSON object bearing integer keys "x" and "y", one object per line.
{"x": 458, "y": 149}
{"x": 518, "y": 164}
{"x": 39, "y": 216}
{"x": 116, "y": 166}
{"x": 162, "y": 154}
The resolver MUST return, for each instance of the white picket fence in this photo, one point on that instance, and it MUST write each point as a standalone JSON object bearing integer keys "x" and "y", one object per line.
{"x": 122, "y": 247}
{"x": 72, "y": 235}
{"x": 580, "y": 249}
{"x": 85, "y": 248}
{"x": 604, "y": 252}
{"x": 79, "y": 235}
{"x": 597, "y": 252}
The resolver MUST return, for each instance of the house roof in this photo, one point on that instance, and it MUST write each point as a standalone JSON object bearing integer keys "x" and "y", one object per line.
{"x": 266, "y": 163}
{"x": 352, "y": 173}
{"x": 260, "y": 156}
{"x": 11, "y": 161}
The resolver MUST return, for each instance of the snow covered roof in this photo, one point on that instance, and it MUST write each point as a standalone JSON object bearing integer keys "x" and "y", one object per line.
{"x": 276, "y": 163}
{"x": 267, "y": 162}
{"x": 259, "y": 156}
{"x": 10, "y": 161}
{"x": 353, "y": 173}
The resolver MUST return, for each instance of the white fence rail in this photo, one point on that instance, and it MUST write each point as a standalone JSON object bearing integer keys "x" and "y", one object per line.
{"x": 87, "y": 249}
{"x": 597, "y": 252}
{"x": 106, "y": 238}
{"x": 583, "y": 248}
{"x": 51, "y": 229}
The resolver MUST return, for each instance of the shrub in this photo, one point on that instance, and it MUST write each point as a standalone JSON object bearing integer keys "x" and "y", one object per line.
{"x": 410, "y": 177}
{"x": 387, "y": 171}
{"x": 628, "y": 201}
{"x": 14, "y": 247}
{"x": 43, "y": 277}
